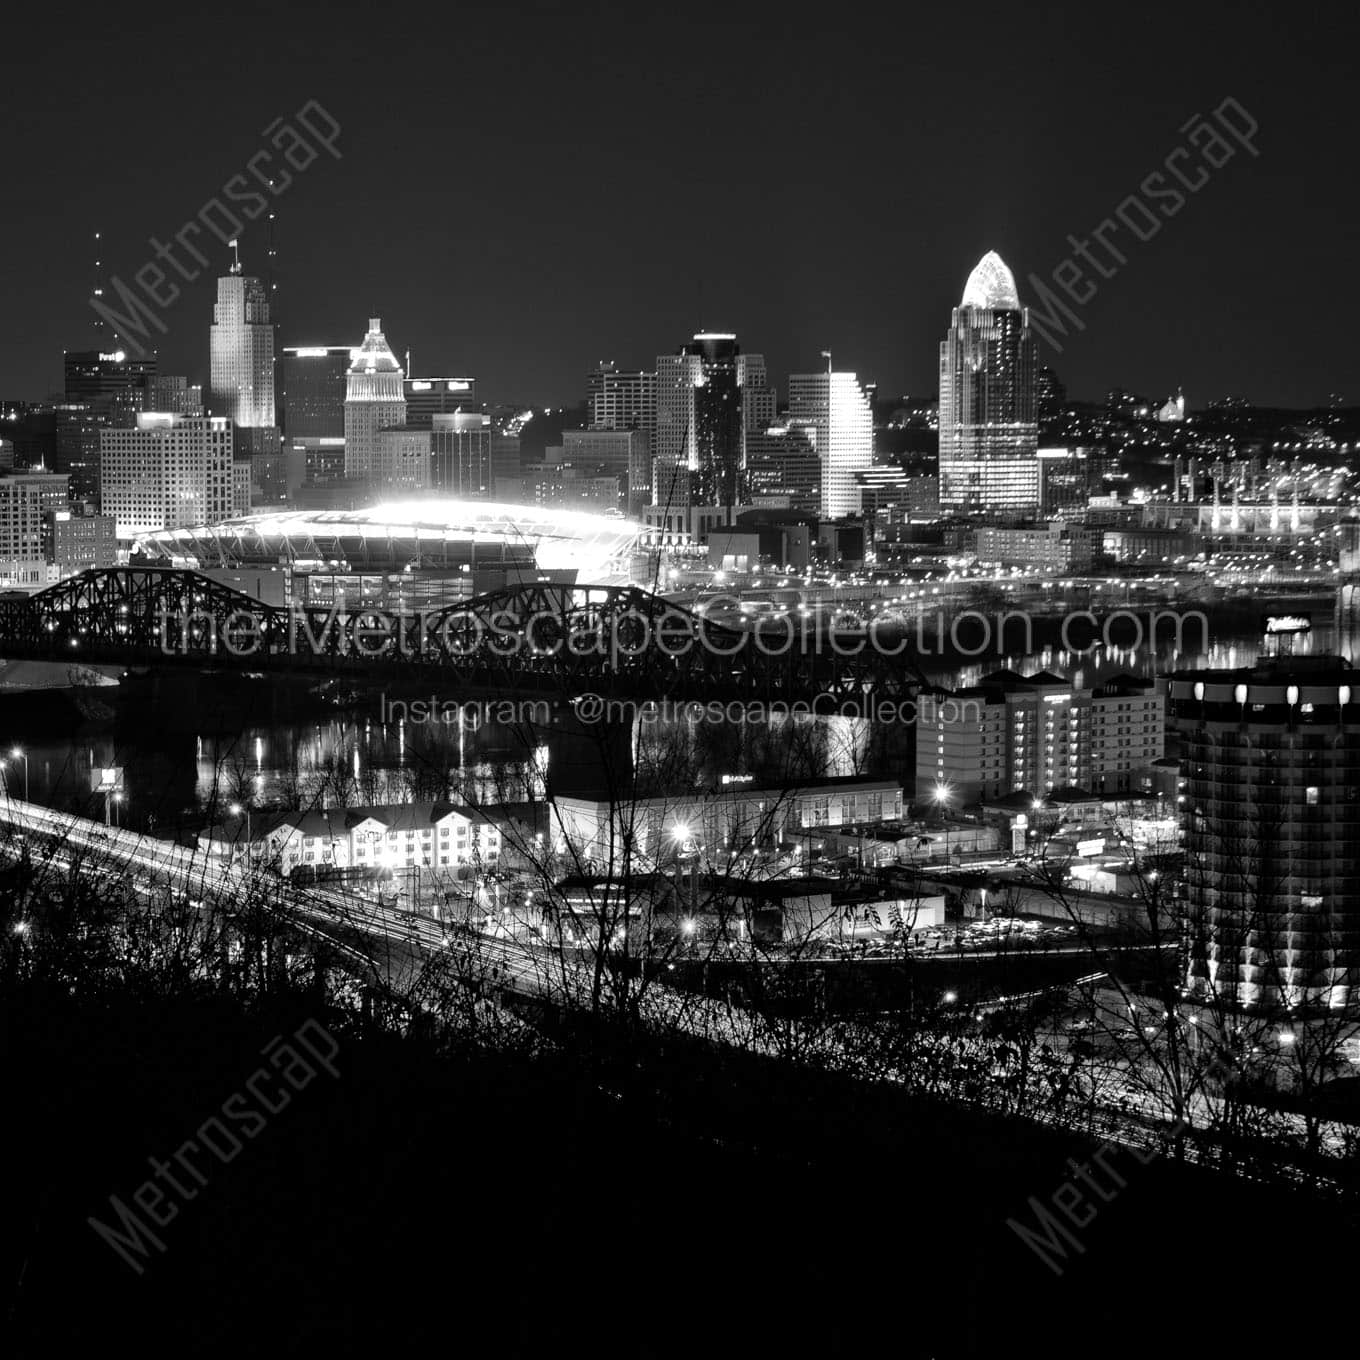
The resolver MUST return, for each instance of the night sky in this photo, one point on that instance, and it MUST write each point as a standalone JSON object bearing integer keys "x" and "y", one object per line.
{"x": 525, "y": 191}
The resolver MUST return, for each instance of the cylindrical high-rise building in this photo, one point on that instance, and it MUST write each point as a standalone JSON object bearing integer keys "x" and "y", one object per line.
{"x": 989, "y": 431}
{"x": 373, "y": 399}
{"x": 1270, "y": 807}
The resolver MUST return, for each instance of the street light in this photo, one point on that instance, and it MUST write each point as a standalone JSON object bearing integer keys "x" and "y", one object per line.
{"x": 941, "y": 798}
{"x": 20, "y": 754}
{"x": 236, "y": 810}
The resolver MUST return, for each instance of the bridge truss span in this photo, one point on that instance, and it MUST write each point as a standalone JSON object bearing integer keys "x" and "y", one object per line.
{"x": 539, "y": 638}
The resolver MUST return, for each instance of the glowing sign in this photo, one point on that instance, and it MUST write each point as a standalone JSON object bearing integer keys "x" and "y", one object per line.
{"x": 420, "y": 385}
{"x": 738, "y": 779}
{"x": 1289, "y": 623}
{"x": 117, "y": 357}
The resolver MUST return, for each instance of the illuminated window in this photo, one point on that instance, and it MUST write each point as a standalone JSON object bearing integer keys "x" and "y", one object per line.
{"x": 1311, "y": 795}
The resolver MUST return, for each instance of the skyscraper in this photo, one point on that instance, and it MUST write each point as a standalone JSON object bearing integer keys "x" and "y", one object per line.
{"x": 429, "y": 397}
{"x": 835, "y": 409}
{"x": 107, "y": 382}
{"x": 782, "y": 462}
{"x": 314, "y": 384}
{"x": 241, "y": 368}
{"x": 103, "y": 389}
{"x": 621, "y": 399}
{"x": 989, "y": 432}
{"x": 373, "y": 399}
{"x": 700, "y": 411}
{"x": 460, "y": 455}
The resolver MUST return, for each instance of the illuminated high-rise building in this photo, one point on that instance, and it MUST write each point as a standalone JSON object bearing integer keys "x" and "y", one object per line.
{"x": 314, "y": 384}
{"x": 989, "y": 433}
{"x": 430, "y": 397}
{"x": 241, "y": 360}
{"x": 701, "y": 394}
{"x": 835, "y": 409}
{"x": 170, "y": 472}
{"x": 107, "y": 381}
{"x": 782, "y": 464}
{"x": 1271, "y": 821}
{"x": 373, "y": 399}
{"x": 103, "y": 389}
{"x": 621, "y": 399}
{"x": 461, "y": 462}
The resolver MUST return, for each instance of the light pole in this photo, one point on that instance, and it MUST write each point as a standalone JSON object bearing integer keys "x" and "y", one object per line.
{"x": 20, "y": 754}
{"x": 236, "y": 810}
{"x": 687, "y": 848}
{"x": 941, "y": 799}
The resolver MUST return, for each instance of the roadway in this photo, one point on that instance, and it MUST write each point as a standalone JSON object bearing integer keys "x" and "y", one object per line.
{"x": 343, "y": 921}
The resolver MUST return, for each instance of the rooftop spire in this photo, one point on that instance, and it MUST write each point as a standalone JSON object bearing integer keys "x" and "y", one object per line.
{"x": 991, "y": 285}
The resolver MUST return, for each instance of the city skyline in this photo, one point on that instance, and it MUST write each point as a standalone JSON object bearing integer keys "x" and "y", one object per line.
{"x": 679, "y": 633}
{"x": 535, "y": 292}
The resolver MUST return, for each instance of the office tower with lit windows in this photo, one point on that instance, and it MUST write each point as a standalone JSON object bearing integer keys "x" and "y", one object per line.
{"x": 835, "y": 409}
{"x": 1050, "y": 399}
{"x": 1270, "y": 811}
{"x": 107, "y": 381}
{"x": 621, "y": 399}
{"x": 782, "y": 465}
{"x": 25, "y": 498}
{"x": 989, "y": 429}
{"x": 313, "y": 391}
{"x": 374, "y": 399}
{"x": 170, "y": 472}
{"x": 759, "y": 401}
{"x": 102, "y": 389}
{"x": 174, "y": 392}
{"x": 607, "y": 453}
{"x": 241, "y": 353}
{"x": 401, "y": 461}
{"x": 461, "y": 461}
{"x": 700, "y": 411}
{"x": 429, "y": 397}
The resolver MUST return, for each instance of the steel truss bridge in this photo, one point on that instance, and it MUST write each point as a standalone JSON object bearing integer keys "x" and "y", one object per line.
{"x": 540, "y": 639}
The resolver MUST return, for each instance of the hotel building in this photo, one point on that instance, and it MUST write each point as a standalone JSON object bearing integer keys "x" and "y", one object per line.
{"x": 1270, "y": 812}
{"x": 1036, "y": 733}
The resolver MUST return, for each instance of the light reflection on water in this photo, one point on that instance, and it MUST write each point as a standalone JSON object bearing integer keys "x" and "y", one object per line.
{"x": 348, "y": 761}
{"x": 1094, "y": 665}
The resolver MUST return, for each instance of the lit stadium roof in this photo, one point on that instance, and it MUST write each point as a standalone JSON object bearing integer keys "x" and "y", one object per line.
{"x": 400, "y": 531}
